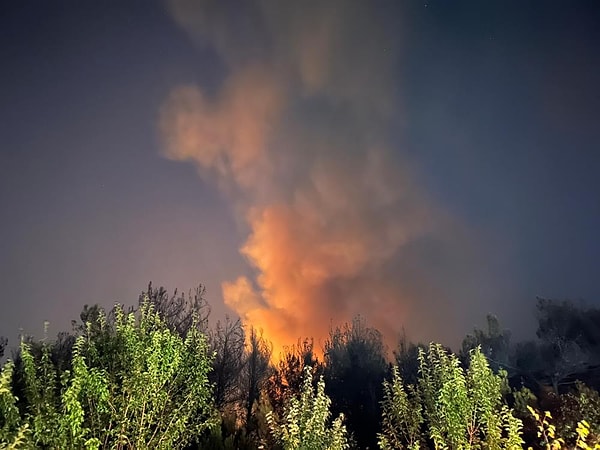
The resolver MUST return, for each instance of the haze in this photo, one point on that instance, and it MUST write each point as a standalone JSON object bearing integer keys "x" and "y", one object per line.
{"x": 421, "y": 164}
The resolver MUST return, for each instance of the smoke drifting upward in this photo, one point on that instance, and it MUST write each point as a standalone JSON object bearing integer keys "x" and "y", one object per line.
{"x": 297, "y": 138}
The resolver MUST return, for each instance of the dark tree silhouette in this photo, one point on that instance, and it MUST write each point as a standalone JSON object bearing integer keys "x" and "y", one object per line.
{"x": 179, "y": 311}
{"x": 355, "y": 367}
{"x": 3, "y": 344}
{"x": 227, "y": 341}
{"x": 570, "y": 338}
{"x": 494, "y": 343}
{"x": 255, "y": 373}
{"x": 407, "y": 359}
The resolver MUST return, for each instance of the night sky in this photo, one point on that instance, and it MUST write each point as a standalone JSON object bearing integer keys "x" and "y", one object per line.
{"x": 419, "y": 163}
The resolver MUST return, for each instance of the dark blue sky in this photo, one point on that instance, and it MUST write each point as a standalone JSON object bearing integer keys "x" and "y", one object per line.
{"x": 495, "y": 113}
{"x": 506, "y": 121}
{"x": 513, "y": 93}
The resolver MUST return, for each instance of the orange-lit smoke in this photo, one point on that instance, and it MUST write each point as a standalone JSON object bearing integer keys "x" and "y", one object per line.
{"x": 295, "y": 137}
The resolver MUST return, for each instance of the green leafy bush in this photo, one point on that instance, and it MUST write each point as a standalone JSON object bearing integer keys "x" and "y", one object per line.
{"x": 457, "y": 408}
{"x": 13, "y": 431}
{"x": 305, "y": 422}
{"x": 402, "y": 415}
{"x": 133, "y": 383}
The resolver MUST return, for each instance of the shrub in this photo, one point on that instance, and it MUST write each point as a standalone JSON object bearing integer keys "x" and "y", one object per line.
{"x": 133, "y": 383}
{"x": 305, "y": 424}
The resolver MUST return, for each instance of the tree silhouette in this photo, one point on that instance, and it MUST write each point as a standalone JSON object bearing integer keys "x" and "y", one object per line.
{"x": 3, "y": 344}
{"x": 570, "y": 338}
{"x": 355, "y": 367}
{"x": 179, "y": 311}
{"x": 288, "y": 375}
{"x": 255, "y": 373}
{"x": 494, "y": 343}
{"x": 407, "y": 359}
{"x": 227, "y": 342}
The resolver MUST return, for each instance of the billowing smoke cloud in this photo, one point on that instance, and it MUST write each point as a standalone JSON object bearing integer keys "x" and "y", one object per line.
{"x": 298, "y": 138}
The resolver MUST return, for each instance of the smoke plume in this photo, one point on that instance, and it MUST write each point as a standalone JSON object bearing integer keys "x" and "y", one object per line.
{"x": 302, "y": 138}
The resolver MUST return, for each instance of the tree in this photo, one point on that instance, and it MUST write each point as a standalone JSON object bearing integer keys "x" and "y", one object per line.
{"x": 256, "y": 372}
{"x": 355, "y": 368}
{"x": 570, "y": 339}
{"x": 164, "y": 397}
{"x": 305, "y": 424}
{"x": 407, "y": 359}
{"x": 227, "y": 343}
{"x": 3, "y": 343}
{"x": 179, "y": 312}
{"x": 493, "y": 342}
{"x": 287, "y": 378}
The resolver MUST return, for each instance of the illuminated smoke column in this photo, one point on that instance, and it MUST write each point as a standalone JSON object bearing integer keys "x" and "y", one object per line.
{"x": 297, "y": 139}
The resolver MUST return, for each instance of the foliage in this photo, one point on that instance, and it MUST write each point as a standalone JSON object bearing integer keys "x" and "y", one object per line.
{"x": 150, "y": 378}
{"x": 546, "y": 430}
{"x": 226, "y": 436}
{"x": 464, "y": 409}
{"x": 255, "y": 374}
{"x": 355, "y": 367}
{"x": 548, "y": 436}
{"x": 583, "y": 433}
{"x": 180, "y": 313}
{"x": 402, "y": 415}
{"x": 160, "y": 395}
{"x": 570, "y": 338}
{"x": 406, "y": 356}
{"x": 582, "y": 402}
{"x": 133, "y": 384}
{"x": 494, "y": 343}
{"x": 567, "y": 321}
{"x": 305, "y": 424}
{"x": 522, "y": 398}
{"x": 13, "y": 432}
{"x": 41, "y": 391}
{"x": 527, "y": 360}
{"x": 288, "y": 374}
{"x": 227, "y": 341}
{"x": 3, "y": 343}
